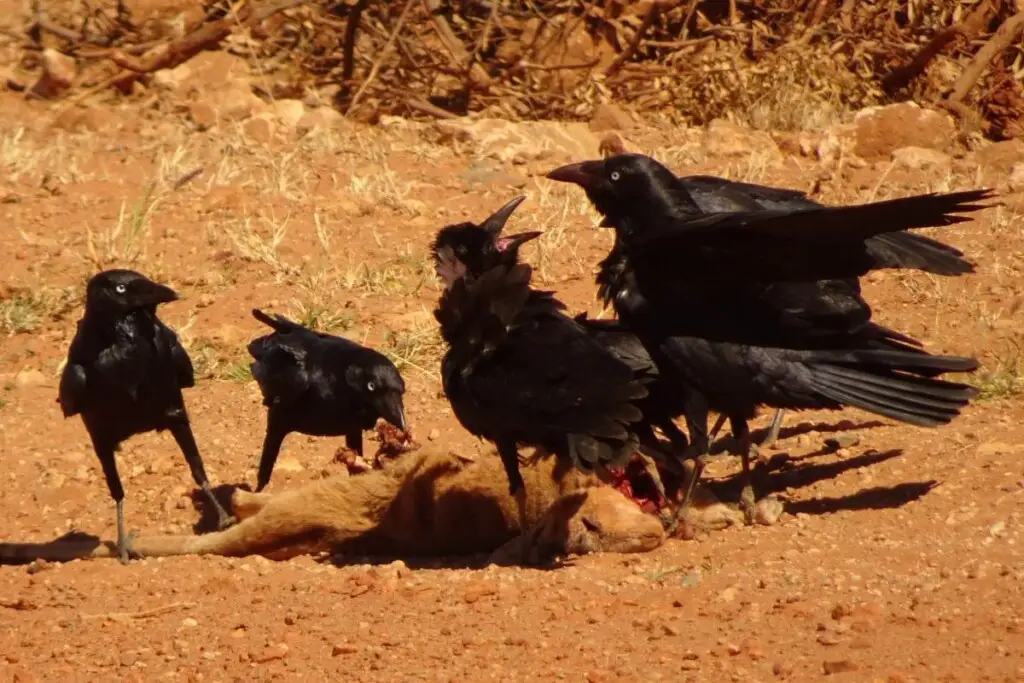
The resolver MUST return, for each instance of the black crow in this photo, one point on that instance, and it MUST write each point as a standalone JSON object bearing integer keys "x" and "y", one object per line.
{"x": 750, "y": 307}
{"x": 519, "y": 371}
{"x": 321, "y": 385}
{"x": 124, "y": 375}
{"x": 482, "y": 247}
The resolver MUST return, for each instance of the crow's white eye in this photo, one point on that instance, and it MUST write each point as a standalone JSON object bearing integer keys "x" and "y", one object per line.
{"x": 120, "y": 289}
{"x": 370, "y": 386}
{"x": 615, "y": 175}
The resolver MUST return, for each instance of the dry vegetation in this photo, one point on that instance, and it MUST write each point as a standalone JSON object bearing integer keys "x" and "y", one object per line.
{"x": 910, "y": 533}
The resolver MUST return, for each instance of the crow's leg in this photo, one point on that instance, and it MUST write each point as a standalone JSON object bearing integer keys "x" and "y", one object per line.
{"x": 182, "y": 432}
{"x": 268, "y": 457}
{"x": 773, "y": 431}
{"x": 105, "y": 452}
{"x": 696, "y": 412}
{"x": 516, "y": 487}
{"x": 354, "y": 441}
{"x": 748, "y": 498}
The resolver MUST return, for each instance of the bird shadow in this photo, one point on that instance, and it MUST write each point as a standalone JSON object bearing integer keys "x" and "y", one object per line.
{"x": 70, "y": 546}
{"x": 780, "y": 473}
{"x": 728, "y": 443}
{"x": 875, "y": 498}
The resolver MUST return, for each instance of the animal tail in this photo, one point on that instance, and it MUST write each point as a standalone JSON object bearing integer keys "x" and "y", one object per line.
{"x": 889, "y": 383}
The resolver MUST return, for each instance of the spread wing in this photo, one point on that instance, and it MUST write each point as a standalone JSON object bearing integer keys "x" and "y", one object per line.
{"x": 814, "y": 243}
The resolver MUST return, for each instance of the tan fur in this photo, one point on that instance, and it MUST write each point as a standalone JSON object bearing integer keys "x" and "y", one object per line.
{"x": 422, "y": 504}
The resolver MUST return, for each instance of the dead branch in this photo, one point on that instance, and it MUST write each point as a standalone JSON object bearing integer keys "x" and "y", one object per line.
{"x": 649, "y": 17}
{"x": 454, "y": 46}
{"x": 899, "y": 78}
{"x": 348, "y": 59}
{"x": 429, "y": 109}
{"x": 206, "y": 37}
{"x": 380, "y": 58}
{"x": 1006, "y": 34}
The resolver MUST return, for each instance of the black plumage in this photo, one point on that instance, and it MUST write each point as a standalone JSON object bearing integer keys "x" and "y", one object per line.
{"x": 124, "y": 375}
{"x": 321, "y": 385}
{"x": 519, "y": 371}
{"x": 482, "y": 247}
{"x": 761, "y": 306}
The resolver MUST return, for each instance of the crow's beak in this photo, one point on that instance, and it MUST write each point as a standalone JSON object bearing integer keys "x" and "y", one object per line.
{"x": 150, "y": 293}
{"x": 390, "y": 407}
{"x": 495, "y": 223}
{"x": 586, "y": 174}
{"x": 513, "y": 242}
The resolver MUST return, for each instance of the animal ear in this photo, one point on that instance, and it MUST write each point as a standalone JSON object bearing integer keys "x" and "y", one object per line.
{"x": 591, "y": 524}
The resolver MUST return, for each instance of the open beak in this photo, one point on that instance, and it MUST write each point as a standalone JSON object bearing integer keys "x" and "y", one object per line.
{"x": 390, "y": 407}
{"x": 495, "y": 223}
{"x": 513, "y": 242}
{"x": 586, "y": 174}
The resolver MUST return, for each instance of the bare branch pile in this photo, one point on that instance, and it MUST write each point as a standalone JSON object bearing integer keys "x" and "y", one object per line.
{"x": 779, "y": 64}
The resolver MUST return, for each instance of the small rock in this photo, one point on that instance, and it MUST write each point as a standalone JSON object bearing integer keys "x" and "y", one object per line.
{"x": 344, "y": 649}
{"x": 843, "y": 440}
{"x": 838, "y": 667}
{"x": 271, "y": 653}
{"x": 29, "y": 378}
{"x": 289, "y": 112}
{"x": 879, "y": 131}
{"x": 434, "y": 435}
{"x": 1015, "y": 181}
{"x": 189, "y": 622}
{"x": 724, "y": 138}
{"x": 478, "y": 591}
{"x": 260, "y": 128}
{"x": 921, "y": 159}
{"x": 203, "y": 115}
{"x": 58, "y": 75}
{"x": 609, "y": 117}
{"x": 321, "y": 117}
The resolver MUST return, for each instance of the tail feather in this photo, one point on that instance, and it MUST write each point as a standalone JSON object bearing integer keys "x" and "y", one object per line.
{"x": 278, "y": 322}
{"x": 905, "y": 361}
{"x": 910, "y": 250}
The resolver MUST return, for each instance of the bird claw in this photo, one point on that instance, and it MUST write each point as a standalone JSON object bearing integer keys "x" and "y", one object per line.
{"x": 225, "y": 520}
{"x": 748, "y": 504}
{"x": 124, "y": 547}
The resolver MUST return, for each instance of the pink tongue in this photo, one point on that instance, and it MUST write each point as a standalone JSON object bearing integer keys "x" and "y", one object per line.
{"x": 502, "y": 243}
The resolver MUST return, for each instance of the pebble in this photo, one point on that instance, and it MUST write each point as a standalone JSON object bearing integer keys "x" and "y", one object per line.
{"x": 344, "y": 649}
{"x": 838, "y": 667}
{"x": 271, "y": 653}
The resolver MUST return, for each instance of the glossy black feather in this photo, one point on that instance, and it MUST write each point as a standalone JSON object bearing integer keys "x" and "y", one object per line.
{"x": 322, "y": 385}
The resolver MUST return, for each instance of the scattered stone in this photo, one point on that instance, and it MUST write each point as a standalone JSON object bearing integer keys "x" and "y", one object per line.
{"x": 344, "y": 649}
{"x": 843, "y": 440}
{"x": 515, "y": 142}
{"x": 922, "y": 159}
{"x": 189, "y": 622}
{"x": 271, "y": 653}
{"x": 29, "y": 378}
{"x": 289, "y": 112}
{"x": 433, "y": 435}
{"x": 1015, "y": 181}
{"x": 479, "y": 590}
{"x": 260, "y": 128}
{"x": 322, "y": 117}
{"x": 609, "y": 117}
{"x": 879, "y": 131}
{"x": 58, "y": 75}
{"x": 723, "y": 138}
{"x": 838, "y": 667}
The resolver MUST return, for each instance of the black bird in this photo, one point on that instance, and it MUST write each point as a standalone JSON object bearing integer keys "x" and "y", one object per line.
{"x": 519, "y": 371}
{"x": 482, "y": 247}
{"x": 321, "y": 385}
{"x": 124, "y": 375}
{"x": 712, "y": 194}
{"x": 750, "y": 307}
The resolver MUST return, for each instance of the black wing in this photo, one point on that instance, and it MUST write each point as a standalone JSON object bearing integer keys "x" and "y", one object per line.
{"x": 71, "y": 393}
{"x": 815, "y": 243}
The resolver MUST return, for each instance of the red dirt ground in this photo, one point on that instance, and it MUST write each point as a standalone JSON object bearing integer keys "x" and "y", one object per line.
{"x": 900, "y": 556}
